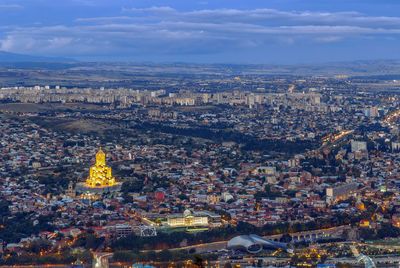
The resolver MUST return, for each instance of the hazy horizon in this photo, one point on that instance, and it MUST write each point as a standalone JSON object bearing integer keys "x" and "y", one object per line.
{"x": 227, "y": 32}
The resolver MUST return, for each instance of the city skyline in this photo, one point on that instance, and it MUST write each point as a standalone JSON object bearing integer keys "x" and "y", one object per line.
{"x": 200, "y": 133}
{"x": 281, "y": 32}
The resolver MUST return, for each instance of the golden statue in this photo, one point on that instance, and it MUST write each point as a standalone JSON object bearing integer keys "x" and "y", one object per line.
{"x": 100, "y": 174}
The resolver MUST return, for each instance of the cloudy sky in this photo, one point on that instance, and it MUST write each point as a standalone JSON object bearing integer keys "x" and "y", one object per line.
{"x": 204, "y": 31}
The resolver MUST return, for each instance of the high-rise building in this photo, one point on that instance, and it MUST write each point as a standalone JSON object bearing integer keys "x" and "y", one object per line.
{"x": 340, "y": 192}
{"x": 357, "y": 146}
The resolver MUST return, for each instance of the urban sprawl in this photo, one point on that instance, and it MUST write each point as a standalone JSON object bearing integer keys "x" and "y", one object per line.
{"x": 305, "y": 173}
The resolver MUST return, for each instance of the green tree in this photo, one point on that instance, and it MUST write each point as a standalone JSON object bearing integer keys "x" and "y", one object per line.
{"x": 198, "y": 260}
{"x": 38, "y": 245}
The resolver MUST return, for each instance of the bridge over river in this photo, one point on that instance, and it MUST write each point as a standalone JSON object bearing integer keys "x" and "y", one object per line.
{"x": 100, "y": 259}
{"x": 297, "y": 237}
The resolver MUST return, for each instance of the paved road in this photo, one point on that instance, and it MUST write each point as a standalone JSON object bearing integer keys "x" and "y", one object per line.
{"x": 214, "y": 246}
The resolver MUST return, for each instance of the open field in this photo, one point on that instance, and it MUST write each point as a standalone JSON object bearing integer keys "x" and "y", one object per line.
{"x": 393, "y": 242}
{"x": 47, "y": 107}
{"x": 75, "y": 126}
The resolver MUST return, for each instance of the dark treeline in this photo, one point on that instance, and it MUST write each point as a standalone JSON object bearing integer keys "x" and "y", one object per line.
{"x": 174, "y": 239}
{"x": 163, "y": 256}
{"x": 17, "y": 226}
{"x": 49, "y": 258}
{"x": 249, "y": 142}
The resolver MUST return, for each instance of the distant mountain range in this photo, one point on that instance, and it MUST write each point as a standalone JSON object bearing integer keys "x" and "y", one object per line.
{"x": 384, "y": 69}
{"x": 14, "y": 57}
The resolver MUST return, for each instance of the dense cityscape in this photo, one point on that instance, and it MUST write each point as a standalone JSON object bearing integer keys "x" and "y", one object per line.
{"x": 199, "y": 134}
{"x": 294, "y": 175}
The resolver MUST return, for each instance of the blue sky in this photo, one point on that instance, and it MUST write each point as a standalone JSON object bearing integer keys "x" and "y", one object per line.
{"x": 203, "y": 31}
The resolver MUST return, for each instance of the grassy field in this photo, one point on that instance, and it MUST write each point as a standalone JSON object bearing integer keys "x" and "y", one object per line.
{"x": 394, "y": 242}
{"x": 47, "y": 107}
{"x": 75, "y": 126}
{"x": 172, "y": 230}
{"x": 184, "y": 229}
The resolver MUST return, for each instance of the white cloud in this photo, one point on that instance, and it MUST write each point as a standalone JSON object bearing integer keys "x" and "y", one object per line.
{"x": 111, "y": 19}
{"x": 162, "y": 9}
{"x": 271, "y": 16}
{"x": 10, "y": 6}
{"x": 167, "y": 30}
{"x": 328, "y": 39}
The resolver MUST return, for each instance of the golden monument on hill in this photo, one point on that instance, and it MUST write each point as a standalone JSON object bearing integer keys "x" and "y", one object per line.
{"x": 100, "y": 179}
{"x": 100, "y": 174}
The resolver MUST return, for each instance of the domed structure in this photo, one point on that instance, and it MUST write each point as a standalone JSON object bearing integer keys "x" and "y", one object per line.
{"x": 100, "y": 179}
{"x": 100, "y": 174}
{"x": 244, "y": 242}
{"x": 254, "y": 244}
{"x": 187, "y": 213}
{"x": 187, "y": 219}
